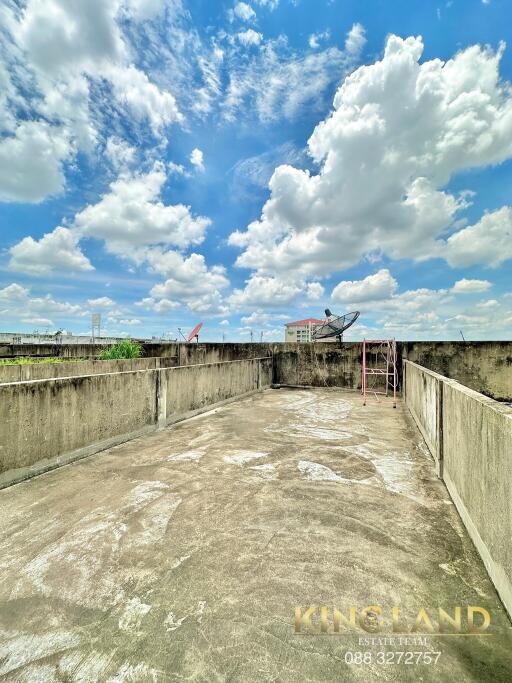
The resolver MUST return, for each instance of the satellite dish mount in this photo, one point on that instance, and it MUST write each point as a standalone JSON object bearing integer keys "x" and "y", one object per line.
{"x": 193, "y": 335}
{"x": 334, "y": 325}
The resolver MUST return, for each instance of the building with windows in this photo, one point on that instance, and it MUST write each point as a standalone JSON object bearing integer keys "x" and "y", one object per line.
{"x": 302, "y": 330}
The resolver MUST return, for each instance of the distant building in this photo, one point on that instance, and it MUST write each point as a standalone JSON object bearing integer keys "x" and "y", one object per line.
{"x": 302, "y": 330}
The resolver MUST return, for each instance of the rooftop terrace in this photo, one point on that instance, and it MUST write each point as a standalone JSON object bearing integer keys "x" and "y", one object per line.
{"x": 181, "y": 555}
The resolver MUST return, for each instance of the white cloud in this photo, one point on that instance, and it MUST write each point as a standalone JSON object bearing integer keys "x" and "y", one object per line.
{"x": 143, "y": 99}
{"x": 21, "y": 306}
{"x": 145, "y": 9}
{"x": 249, "y": 37}
{"x": 265, "y": 291}
{"x": 61, "y": 35}
{"x": 224, "y": 323}
{"x": 132, "y": 215}
{"x": 130, "y": 321}
{"x": 381, "y": 285}
{"x": 14, "y": 293}
{"x": 120, "y": 154}
{"x": 188, "y": 282}
{"x": 31, "y": 162}
{"x": 102, "y": 301}
{"x": 161, "y": 306}
{"x": 244, "y": 11}
{"x": 315, "y": 39}
{"x": 271, "y": 4}
{"x": 59, "y": 52}
{"x": 276, "y": 82}
{"x": 490, "y": 303}
{"x": 261, "y": 318}
{"x": 197, "y": 159}
{"x": 355, "y": 39}
{"x": 398, "y": 132}
{"x": 257, "y": 170}
{"x": 57, "y": 250}
{"x": 315, "y": 291}
{"x": 488, "y": 242}
{"x": 42, "y": 322}
{"x": 465, "y": 286}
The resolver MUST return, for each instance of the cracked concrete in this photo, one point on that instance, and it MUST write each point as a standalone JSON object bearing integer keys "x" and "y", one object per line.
{"x": 181, "y": 556}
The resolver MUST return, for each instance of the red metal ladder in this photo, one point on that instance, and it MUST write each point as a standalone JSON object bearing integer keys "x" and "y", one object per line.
{"x": 384, "y": 351}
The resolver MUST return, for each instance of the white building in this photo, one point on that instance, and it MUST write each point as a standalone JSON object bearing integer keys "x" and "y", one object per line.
{"x": 302, "y": 330}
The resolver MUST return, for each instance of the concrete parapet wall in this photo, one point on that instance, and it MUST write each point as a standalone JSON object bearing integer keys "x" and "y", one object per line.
{"x": 470, "y": 436}
{"x": 191, "y": 388}
{"x": 45, "y": 419}
{"x": 319, "y": 364}
{"x": 33, "y": 371}
{"x": 48, "y": 423}
{"x": 485, "y": 366}
{"x": 424, "y": 396}
{"x": 482, "y": 366}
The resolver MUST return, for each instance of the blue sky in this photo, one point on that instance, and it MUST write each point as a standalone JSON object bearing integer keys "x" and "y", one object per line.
{"x": 249, "y": 163}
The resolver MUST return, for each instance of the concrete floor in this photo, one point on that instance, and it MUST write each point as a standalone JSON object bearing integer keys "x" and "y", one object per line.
{"x": 181, "y": 556}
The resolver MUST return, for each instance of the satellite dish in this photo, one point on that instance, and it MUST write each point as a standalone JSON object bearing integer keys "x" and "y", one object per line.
{"x": 334, "y": 325}
{"x": 195, "y": 333}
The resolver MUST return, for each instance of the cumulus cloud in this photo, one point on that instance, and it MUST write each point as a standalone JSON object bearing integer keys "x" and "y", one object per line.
{"x": 143, "y": 99}
{"x": 57, "y": 250}
{"x": 130, "y": 218}
{"x": 271, "y": 4}
{"x": 250, "y": 37}
{"x": 355, "y": 39}
{"x": 261, "y": 318}
{"x": 102, "y": 301}
{"x": 31, "y": 162}
{"x": 381, "y": 285}
{"x": 188, "y": 281}
{"x": 244, "y": 11}
{"x": 20, "y": 306}
{"x": 488, "y": 242}
{"x": 265, "y": 291}
{"x": 120, "y": 153}
{"x": 59, "y": 51}
{"x": 315, "y": 39}
{"x": 197, "y": 159}
{"x": 399, "y": 130}
{"x": 315, "y": 291}
{"x": 465, "y": 286}
{"x": 132, "y": 215}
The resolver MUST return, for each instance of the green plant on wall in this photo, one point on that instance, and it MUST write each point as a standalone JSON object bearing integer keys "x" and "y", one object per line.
{"x": 124, "y": 349}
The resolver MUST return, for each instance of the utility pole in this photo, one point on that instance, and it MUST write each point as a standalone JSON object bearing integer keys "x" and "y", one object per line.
{"x": 252, "y": 336}
{"x": 261, "y": 336}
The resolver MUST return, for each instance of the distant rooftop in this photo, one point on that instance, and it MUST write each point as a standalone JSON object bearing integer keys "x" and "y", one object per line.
{"x": 306, "y": 321}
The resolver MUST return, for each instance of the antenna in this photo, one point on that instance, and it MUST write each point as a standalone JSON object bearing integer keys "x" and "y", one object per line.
{"x": 334, "y": 326}
{"x": 462, "y": 336}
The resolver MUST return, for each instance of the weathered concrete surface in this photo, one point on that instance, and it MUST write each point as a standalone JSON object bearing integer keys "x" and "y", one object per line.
{"x": 485, "y": 366}
{"x": 33, "y": 371}
{"x": 477, "y": 469}
{"x": 482, "y": 366}
{"x": 45, "y": 424}
{"x": 423, "y": 393}
{"x": 470, "y": 437}
{"x": 181, "y": 556}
